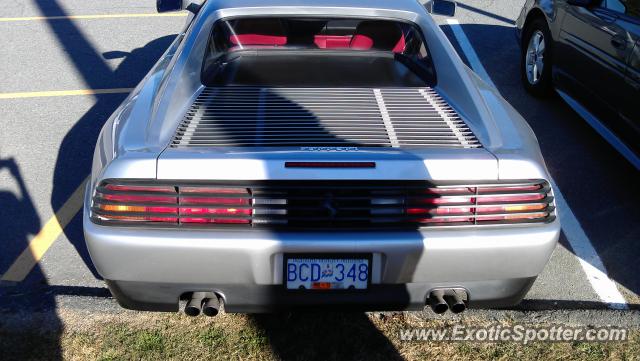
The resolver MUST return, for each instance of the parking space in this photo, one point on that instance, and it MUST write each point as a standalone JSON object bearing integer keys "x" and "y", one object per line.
{"x": 47, "y": 141}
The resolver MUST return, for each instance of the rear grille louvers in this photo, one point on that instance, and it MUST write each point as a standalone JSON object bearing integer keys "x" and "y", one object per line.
{"x": 268, "y": 117}
{"x": 321, "y": 204}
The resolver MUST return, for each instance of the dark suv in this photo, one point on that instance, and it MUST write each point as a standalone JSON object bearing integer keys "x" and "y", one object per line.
{"x": 589, "y": 52}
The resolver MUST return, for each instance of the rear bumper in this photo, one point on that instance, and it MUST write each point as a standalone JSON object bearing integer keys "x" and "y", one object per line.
{"x": 150, "y": 269}
{"x": 263, "y": 298}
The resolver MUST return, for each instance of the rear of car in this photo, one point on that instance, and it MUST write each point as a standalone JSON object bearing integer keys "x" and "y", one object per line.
{"x": 317, "y": 161}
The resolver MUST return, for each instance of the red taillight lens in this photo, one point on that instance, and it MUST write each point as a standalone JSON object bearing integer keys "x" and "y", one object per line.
{"x": 215, "y": 201}
{"x": 138, "y": 188}
{"x": 444, "y": 200}
{"x": 209, "y": 190}
{"x": 227, "y": 212}
{"x": 136, "y": 203}
{"x": 451, "y": 191}
{"x": 511, "y": 198}
{"x": 135, "y": 198}
{"x": 510, "y": 188}
{"x": 517, "y": 203}
{"x": 481, "y": 204}
{"x": 137, "y": 209}
{"x": 439, "y": 210}
{"x": 215, "y": 220}
{"x": 130, "y": 218}
{"x": 168, "y": 204}
{"x": 215, "y": 205}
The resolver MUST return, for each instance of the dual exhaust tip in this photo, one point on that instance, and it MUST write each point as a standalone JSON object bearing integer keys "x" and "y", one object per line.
{"x": 206, "y": 302}
{"x": 440, "y": 301}
{"x": 445, "y": 299}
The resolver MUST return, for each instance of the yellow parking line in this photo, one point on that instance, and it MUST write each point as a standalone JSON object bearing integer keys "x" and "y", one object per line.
{"x": 97, "y": 16}
{"x": 42, "y": 241}
{"x": 39, "y": 245}
{"x": 62, "y": 93}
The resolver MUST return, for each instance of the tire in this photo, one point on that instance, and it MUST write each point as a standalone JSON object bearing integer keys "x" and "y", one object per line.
{"x": 537, "y": 52}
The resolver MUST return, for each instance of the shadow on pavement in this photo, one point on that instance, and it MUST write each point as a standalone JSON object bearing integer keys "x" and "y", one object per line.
{"x": 20, "y": 220}
{"x": 16, "y": 234}
{"x": 325, "y": 336}
{"x": 33, "y": 297}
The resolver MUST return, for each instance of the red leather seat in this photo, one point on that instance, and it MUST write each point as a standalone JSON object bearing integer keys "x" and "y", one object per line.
{"x": 258, "y": 39}
{"x": 332, "y": 41}
{"x": 263, "y": 32}
{"x": 379, "y": 35}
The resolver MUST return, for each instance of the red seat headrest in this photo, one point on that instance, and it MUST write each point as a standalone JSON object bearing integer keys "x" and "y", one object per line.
{"x": 257, "y": 39}
{"x": 381, "y": 35}
{"x": 258, "y": 32}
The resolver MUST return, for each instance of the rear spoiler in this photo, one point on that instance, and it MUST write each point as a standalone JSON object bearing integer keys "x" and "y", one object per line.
{"x": 163, "y": 6}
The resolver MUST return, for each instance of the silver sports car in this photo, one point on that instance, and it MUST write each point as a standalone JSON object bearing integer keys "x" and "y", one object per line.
{"x": 316, "y": 153}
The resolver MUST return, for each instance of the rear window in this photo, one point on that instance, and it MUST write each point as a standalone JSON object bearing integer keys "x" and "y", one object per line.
{"x": 281, "y": 51}
{"x": 320, "y": 34}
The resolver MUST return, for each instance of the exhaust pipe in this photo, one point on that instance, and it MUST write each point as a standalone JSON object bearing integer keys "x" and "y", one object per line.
{"x": 437, "y": 302}
{"x": 443, "y": 299}
{"x": 455, "y": 301}
{"x": 194, "y": 306}
{"x": 211, "y": 306}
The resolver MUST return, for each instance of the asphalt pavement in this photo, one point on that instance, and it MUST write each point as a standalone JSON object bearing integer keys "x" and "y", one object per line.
{"x": 47, "y": 141}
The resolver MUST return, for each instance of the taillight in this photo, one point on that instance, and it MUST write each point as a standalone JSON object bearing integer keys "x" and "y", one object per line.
{"x": 483, "y": 204}
{"x": 170, "y": 204}
{"x": 135, "y": 203}
{"x": 325, "y": 204}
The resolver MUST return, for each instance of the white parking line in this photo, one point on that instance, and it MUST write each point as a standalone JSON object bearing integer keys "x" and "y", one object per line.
{"x": 587, "y": 255}
{"x": 591, "y": 263}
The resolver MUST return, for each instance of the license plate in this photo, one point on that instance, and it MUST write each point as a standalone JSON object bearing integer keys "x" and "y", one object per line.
{"x": 311, "y": 273}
